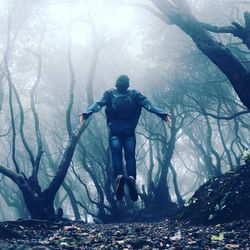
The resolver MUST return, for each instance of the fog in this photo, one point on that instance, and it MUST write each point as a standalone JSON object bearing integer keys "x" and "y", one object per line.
{"x": 57, "y": 57}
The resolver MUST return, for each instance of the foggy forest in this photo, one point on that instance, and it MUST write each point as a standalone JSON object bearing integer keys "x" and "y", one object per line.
{"x": 190, "y": 58}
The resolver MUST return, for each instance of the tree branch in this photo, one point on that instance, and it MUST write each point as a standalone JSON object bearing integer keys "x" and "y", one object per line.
{"x": 226, "y": 117}
{"x": 235, "y": 29}
{"x": 10, "y": 174}
{"x": 85, "y": 208}
{"x": 85, "y": 186}
{"x": 65, "y": 161}
{"x": 72, "y": 84}
{"x": 11, "y": 89}
{"x": 21, "y": 126}
{"x": 225, "y": 29}
{"x": 203, "y": 111}
{"x": 235, "y": 71}
{"x": 40, "y": 150}
{"x": 6, "y": 133}
{"x": 13, "y": 126}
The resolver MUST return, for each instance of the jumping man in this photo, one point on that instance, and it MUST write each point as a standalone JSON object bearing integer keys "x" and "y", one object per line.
{"x": 123, "y": 110}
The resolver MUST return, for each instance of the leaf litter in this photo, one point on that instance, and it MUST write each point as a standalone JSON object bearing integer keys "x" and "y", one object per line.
{"x": 169, "y": 234}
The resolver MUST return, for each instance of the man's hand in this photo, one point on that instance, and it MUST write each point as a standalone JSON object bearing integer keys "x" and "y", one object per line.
{"x": 82, "y": 120}
{"x": 168, "y": 120}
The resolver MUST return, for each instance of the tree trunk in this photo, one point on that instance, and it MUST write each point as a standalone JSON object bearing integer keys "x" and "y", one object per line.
{"x": 162, "y": 195}
{"x": 180, "y": 201}
{"x": 72, "y": 201}
{"x": 151, "y": 166}
{"x": 40, "y": 207}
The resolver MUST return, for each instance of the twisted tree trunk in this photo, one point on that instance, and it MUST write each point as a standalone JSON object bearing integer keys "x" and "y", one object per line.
{"x": 178, "y": 12}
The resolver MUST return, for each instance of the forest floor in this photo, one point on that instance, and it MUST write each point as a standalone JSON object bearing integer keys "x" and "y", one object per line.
{"x": 220, "y": 209}
{"x": 167, "y": 234}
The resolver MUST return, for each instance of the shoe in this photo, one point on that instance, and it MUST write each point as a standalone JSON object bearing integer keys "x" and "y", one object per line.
{"x": 132, "y": 188}
{"x": 119, "y": 190}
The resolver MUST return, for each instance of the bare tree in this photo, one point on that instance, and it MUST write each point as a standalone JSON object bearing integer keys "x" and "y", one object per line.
{"x": 39, "y": 203}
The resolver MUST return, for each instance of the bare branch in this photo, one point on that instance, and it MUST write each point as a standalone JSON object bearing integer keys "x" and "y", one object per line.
{"x": 203, "y": 111}
{"x": 40, "y": 151}
{"x": 235, "y": 29}
{"x": 225, "y": 29}
{"x": 72, "y": 84}
{"x": 65, "y": 161}
{"x": 13, "y": 126}
{"x": 11, "y": 89}
{"x": 5, "y": 134}
{"x": 9, "y": 173}
{"x": 85, "y": 186}
{"x": 227, "y": 117}
{"x": 21, "y": 126}
{"x": 189, "y": 169}
{"x": 86, "y": 209}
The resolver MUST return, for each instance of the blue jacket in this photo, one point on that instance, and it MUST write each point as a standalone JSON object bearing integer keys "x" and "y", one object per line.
{"x": 123, "y": 109}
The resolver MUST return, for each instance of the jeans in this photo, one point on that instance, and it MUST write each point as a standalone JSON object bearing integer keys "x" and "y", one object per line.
{"x": 123, "y": 141}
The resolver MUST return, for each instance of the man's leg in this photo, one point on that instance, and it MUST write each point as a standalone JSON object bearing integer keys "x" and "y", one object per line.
{"x": 116, "y": 152}
{"x": 129, "y": 148}
{"x": 129, "y": 144}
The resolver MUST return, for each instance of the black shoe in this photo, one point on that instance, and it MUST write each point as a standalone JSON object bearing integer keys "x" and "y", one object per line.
{"x": 119, "y": 189}
{"x": 132, "y": 188}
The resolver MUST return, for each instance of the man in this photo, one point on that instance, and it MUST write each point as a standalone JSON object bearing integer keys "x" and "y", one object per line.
{"x": 123, "y": 109}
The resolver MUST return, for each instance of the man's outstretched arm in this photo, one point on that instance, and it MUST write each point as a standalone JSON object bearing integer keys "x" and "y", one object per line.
{"x": 97, "y": 106}
{"x": 145, "y": 103}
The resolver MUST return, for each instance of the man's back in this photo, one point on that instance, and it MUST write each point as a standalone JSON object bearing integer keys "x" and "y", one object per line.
{"x": 122, "y": 105}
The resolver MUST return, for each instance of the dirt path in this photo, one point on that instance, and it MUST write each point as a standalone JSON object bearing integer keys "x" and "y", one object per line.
{"x": 164, "y": 235}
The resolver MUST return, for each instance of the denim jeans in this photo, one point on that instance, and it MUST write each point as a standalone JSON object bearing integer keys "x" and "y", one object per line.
{"x": 119, "y": 142}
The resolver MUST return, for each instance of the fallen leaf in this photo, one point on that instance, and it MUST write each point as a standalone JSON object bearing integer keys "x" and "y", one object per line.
{"x": 64, "y": 244}
{"x": 177, "y": 236}
{"x": 232, "y": 246}
{"x": 219, "y": 237}
{"x": 71, "y": 228}
{"x": 120, "y": 242}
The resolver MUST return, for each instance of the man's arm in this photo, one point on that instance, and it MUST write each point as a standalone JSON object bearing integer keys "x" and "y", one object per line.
{"x": 97, "y": 106}
{"x": 145, "y": 103}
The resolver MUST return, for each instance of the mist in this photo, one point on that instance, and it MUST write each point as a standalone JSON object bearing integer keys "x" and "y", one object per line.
{"x": 58, "y": 57}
